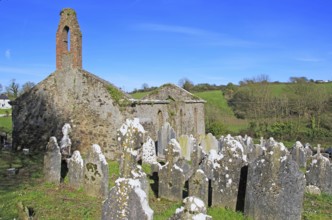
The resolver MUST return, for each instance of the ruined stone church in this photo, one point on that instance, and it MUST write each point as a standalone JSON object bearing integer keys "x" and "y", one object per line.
{"x": 94, "y": 107}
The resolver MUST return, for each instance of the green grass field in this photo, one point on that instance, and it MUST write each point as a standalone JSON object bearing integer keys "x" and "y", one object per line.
{"x": 50, "y": 201}
{"x": 6, "y": 124}
{"x": 5, "y": 111}
{"x": 217, "y": 108}
{"x": 139, "y": 95}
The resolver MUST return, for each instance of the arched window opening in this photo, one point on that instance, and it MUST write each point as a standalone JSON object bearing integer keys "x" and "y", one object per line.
{"x": 66, "y": 38}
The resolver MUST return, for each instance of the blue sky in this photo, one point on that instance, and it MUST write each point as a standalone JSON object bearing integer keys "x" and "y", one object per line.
{"x": 131, "y": 42}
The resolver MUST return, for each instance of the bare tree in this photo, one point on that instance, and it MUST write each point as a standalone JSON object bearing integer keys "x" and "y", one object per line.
{"x": 13, "y": 89}
{"x": 186, "y": 84}
{"x": 27, "y": 86}
{"x": 145, "y": 86}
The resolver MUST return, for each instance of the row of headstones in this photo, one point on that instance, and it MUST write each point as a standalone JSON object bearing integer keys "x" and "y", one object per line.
{"x": 207, "y": 142}
{"x": 91, "y": 174}
{"x": 273, "y": 176}
{"x": 318, "y": 168}
{"x": 128, "y": 199}
{"x": 268, "y": 177}
{"x": 318, "y": 174}
{"x": 223, "y": 169}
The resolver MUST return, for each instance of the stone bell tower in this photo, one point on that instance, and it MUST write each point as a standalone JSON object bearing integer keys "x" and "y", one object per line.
{"x": 68, "y": 41}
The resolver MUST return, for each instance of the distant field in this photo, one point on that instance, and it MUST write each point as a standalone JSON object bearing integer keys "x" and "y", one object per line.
{"x": 283, "y": 88}
{"x": 216, "y": 99}
{"x": 139, "y": 95}
{"x": 216, "y": 107}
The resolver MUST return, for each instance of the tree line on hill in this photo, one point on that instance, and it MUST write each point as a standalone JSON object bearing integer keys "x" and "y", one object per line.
{"x": 300, "y": 110}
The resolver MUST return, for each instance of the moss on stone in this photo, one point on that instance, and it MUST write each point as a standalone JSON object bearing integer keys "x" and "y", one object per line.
{"x": 116, "y": 94}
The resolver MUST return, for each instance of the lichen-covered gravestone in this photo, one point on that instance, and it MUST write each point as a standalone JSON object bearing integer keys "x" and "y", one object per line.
{"x": 209, "y": 142}
{"x": 171, "y": 176}
{"x": 199, "y": 186}
{"x": 131, "y": 134}
{"x": 320, "y": 173}
{"x": 299, "y": 154}
{"x": 65, "y": 143}
{"x": 193, "y": 209}
{"x": 149, "y": 152}
{"x": 165, "y": 134}
{"x": 227, "y": 174}
{"x": 187, "y": 145}
{"x": 127, "y": 200}
{"x": 197, "y": 156}
{"x": 75, "y": 170}
{"x": 275, "y": 185}
{"x": 130, "y": 140}
{"x": 52, "y": 162}
{"x": 96, "y": 173}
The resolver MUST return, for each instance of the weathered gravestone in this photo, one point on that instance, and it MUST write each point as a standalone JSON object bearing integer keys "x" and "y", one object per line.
{"x": 275, "y": 185}
{"x": 227, "y": 174}
{"x": 320, "y": 173}
{"x": 52, "y": 162}
{"x": 299, "y": 154}
{"x": 128, "y": 199}
{"x": 199, "y": 186}
{"x": 308, "y": 150}
{"x": 209, "y": 163}
{"x": 255, "y": 151}
{"x": 125, "y": 201}
{"x": 65, "y": 143}
{"x": 149, "y": 152}
{"x": 96, "y": 173}
{"x": 165, "y": 134}
{"x": 75, "y": 170}
{"x": 187, "y": 145}
{"x": 197, "y": 156}
{"x": 171, "y": 176}
{"x": 209, "y": 142}
{"x": 193, "y": 209}
{"x": 130, "y": 136}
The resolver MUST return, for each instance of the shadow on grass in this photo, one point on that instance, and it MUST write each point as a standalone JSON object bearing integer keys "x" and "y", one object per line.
{"x": 28, "y": 168}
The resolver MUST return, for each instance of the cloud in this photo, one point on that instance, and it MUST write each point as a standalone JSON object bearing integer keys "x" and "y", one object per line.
{"x": 174, "y": 29}
{"x": 308, "y": 59}
{"x": 209, "y": 37}
{"x": 8, "y": 54}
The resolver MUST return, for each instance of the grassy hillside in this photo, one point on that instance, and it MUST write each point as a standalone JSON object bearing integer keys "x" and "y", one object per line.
{"x": 217, "y": 110}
